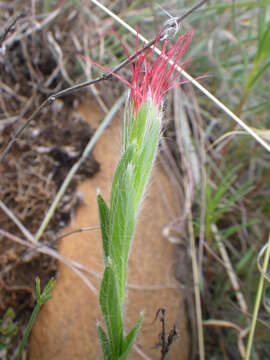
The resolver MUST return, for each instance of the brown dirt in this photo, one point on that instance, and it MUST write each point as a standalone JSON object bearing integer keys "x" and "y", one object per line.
{"x": 35, "y": 166}
{"x": 66, "y": 327}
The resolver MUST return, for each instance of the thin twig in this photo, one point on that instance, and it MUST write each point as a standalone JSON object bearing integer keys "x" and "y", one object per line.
{"x": 47, "y": 251}
{"x": 9, "y": 27}
{"x": 33, "y": 242}
{"x": 75, "y": 231}
{"x": 59, "y": 58}
{"x": 17, "y": 222}
{"x": 151, "y": 287}
{"x": 38, "y": 27}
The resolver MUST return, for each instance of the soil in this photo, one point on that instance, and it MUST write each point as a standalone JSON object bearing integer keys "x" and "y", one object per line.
{"x": 66, "y": 326}
{"x": 33, "y": 170}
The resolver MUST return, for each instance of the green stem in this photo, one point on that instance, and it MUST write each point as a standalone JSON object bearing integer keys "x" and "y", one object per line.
{"x": 28, "y": 330}
{"x": 258, "y": 301}
{"x": 241, "y": 104}
{"x": 42, "y": 297}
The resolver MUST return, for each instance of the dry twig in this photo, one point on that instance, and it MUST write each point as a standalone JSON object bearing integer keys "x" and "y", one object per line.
{"x": 9, "y": 27}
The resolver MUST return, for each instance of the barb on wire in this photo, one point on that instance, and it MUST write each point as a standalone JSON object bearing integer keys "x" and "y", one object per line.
{"x": 167, "y": 31}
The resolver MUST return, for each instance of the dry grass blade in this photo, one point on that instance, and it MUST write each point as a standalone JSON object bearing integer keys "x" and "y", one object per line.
{"x": 19, "y": 35}
{"x": 58, "y": 54}
{"x": 231, "y": 273}
{"x": 184, "y": 136}
{"x": 187, "y": 146}
{"x": 264, "y": 133}
{"x": 9, "y": 27}
{"x": 32, "y": 242}
{"x": 107, "y": 120}
{"x": 242, "y": 333}
{"x": 196, "y": 278}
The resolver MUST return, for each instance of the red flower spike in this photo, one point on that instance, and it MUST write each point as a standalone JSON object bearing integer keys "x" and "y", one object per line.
{"x": 153, "y": 78}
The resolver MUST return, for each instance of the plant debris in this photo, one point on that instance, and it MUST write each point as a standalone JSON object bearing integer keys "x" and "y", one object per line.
{"x": 36, "y": 166}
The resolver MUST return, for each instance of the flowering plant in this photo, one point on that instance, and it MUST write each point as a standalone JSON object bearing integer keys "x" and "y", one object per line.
{"x": 140, "y": 137}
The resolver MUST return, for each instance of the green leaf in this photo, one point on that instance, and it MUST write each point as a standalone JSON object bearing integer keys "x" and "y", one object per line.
{"x": 8, "y": 328}
{"x": 220, "y": 202}
{"x": 120, "y": 170}
{"x": 264, "y": 45}
{"x": 105, "y": 343}
{"x": 109, "y": 299}
{"x": 256, "y": 75}
{"x": 138, "y": 127}
{"x": 261, "y": 62}
{"x": 123, "y": 224}
{"x": 104, "y": 219}
{"x": 46, "y": 293}
{"x": 38, "y": 287}
{"x": 130, "y": 339}
{"x": 42, "y": 297}
{"x": 145, "y": 151}
{"x": 122, "y": 217}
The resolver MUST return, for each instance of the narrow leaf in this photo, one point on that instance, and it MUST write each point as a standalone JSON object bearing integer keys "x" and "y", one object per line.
{"x": 104, "y": 219}
{"x": 130, "y": 339}
{"x": 109, "y": 299}
{"x": 122, "y": 225}
{"x": 105, "y": 343}
{"x": 120, "y": 170}
{"x": 122, "y": 217}
{"x": 264, "y": 46}
{"x": 145, "y": 151}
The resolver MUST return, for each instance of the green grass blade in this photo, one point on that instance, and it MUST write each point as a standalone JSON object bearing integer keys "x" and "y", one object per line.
{"x": 42, "y": 297}
{"x": 261, "y": 62}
